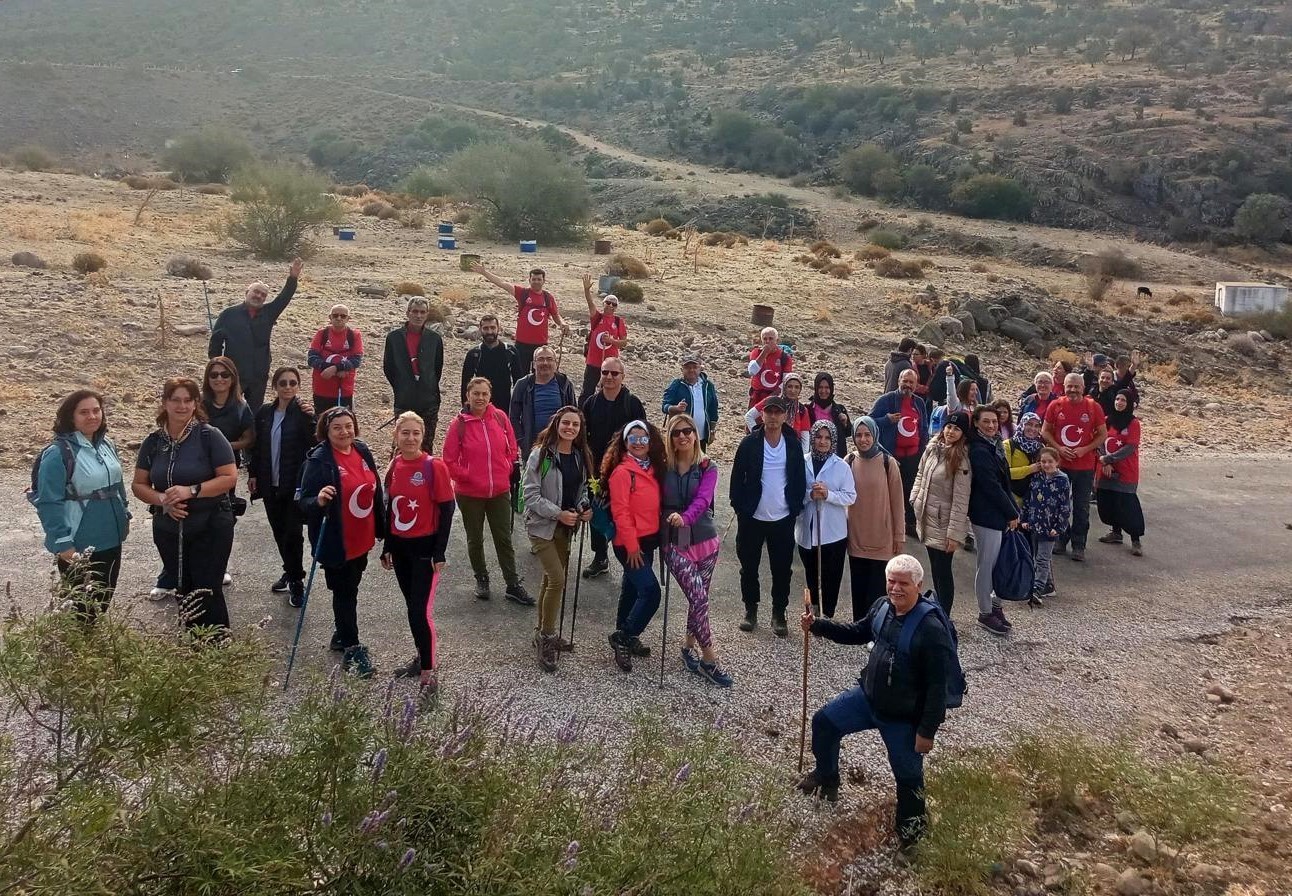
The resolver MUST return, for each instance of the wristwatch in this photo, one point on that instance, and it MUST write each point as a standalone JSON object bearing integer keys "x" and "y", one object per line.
{"x": 196, "y": 489}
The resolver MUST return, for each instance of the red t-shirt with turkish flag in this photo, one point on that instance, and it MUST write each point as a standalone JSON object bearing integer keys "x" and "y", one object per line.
{"x": 416, "y": 489}
{"x": 532, "y": 312}
{"x": 358, "y": 491}
{"x": 1073, "y": 424}
{"x": 604, "y": 327}
{"x": 908, "y": 429}
{"x": 334, "y": 347}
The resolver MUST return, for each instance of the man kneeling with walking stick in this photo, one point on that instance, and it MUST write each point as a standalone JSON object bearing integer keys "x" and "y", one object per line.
{"x": 912, "y": 676}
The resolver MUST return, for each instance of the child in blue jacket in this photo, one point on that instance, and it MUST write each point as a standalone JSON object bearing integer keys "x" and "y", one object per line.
{"x": 1046, "y": 514}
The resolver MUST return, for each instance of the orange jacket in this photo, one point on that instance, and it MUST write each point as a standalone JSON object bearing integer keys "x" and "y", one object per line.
{"x": 634, "y": 504}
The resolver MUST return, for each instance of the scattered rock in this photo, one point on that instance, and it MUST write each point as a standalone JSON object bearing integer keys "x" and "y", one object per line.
{"x": 1221, "y": 693}
{"x": 1127, "y": 821}
{"x": 1104, "y": 873}
{"x": 189, "y": 267}
{"x": 1196, "y": 746}
{"x": 931, "y": 334}
{"x": 1169, "y": 730}
{"x": 1030, "y": 868}
{"x": 967, "y": 324}
{"x": 189, "y": 329}
{"x": 1131, "y": 883}
{"x": 981, "y": 311}
{"x": 1143, "y": 844}
{"x": 28, "y": 260}
{"x": 1207, "y": 873}
{"x": 1020, "y": 330}
{"x": 951, "y": 326}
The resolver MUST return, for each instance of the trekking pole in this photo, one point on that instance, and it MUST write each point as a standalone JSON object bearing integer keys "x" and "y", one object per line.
{"x": 305, "y": 601}
{"x": 560, "y": 352}
{"x": 210, "y": 321}
{"x": 574, "y": 615}
{"x": 807, "y": 638}
{"x": 663, "y": 646}
{"x": 387, "y": 423}
{"x": 565, "y": 584}
{"x": 820, "y": 586}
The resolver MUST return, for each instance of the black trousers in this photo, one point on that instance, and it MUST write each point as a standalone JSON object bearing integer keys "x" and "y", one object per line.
{"x": 778, "y": 536}
{"x": 343, "y": 581}
{"x": 207, "y": 541}
{"x": 95, "y": 581}
{"x": 591, "y": 379}
{"x": 832, "y": 556}
{"x": 288, "y": 525}
{"x": 430, "y": 417}
{"x": 1120, "y": 511}
{"x": 415, "y": 571}
{"x": 908, "y": 467}
{"x": 524, "y": 359}
{"x": 869, "y": 583}
{"x": 944, "y": 583}
{"x": 326, "y": 402}
{"x": 254, "y": 392}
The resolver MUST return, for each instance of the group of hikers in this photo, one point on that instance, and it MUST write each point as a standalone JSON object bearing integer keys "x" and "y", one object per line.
{"x": 936, "y": 459}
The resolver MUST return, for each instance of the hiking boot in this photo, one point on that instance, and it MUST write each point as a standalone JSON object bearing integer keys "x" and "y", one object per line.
{"x": 335, "y": 643}
{"x": 992, "y": 623}
{"x": 691, "y": 660}
{"x": 637, "y": 648}
{"x": 623, "y": 657}
{"x": 482, "y": 587}
{"x": 1113, "y": 537}
{"x": 1049, "y": 590}
{"x": 1136, "y": 549}
{"x": 999, "y": 613}
{"x": 779, "y": 628}
{"x": 518, "y": 595}
{"x": 715, "y": 674}
{"x": 159, "y": 593}
{"x": 811, "y": 785}
{"x": 1078, "y": 555}
{"x": 428, "y": 690}
{"x": 357, "y": 662}
{"x": 411, "y": 669}
{"x": 280, "y": 587}
{"x": 296, "y": 595}
{"x": 598, "y": 567}
{"x": 750, "y": 621}
{"x": 562, "y": 645}
{"x": 547, "y": 653}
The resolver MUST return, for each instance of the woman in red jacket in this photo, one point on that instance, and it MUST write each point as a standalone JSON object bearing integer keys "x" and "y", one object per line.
{"x": 633, "y": 466}
{"x": 1117, "y": 476}
{"x": 480, "y": 448}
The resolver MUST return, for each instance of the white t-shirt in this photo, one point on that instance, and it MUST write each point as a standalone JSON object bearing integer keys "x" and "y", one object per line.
{"x": 697, "y": 408}
{"x": 772, "y": 506}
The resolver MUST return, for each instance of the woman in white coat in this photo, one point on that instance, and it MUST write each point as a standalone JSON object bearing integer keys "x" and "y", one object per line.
{"x": 940, "y": 498}
{"x": 823, "y": 524}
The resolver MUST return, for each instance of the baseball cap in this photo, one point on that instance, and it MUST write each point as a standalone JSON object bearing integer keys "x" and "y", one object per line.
{"x": 691, "y": 358}
{"x": 776, "y": 402}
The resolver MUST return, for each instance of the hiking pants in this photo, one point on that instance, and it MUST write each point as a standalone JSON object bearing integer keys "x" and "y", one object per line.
{"x": 638, "y": 594}
{"x": 694, "y": 578}
{"x": 1083, "y": 482}
{"x": 869, "y": 583}
{"x": 909, "y": 467}
{"x": 554, "y": 554}
{"x": 988, "y": 541}
{"x": 1121, "y": 511}
{"x": 591, "y": 379}
{"x": 206, "y": 549}
{"x": 832, "y": 557}
{"x": 343, "y": 581}
{"x": 287, "y": 522}
{"x": 497, "y": 511}
{"x": 415, "y": 572}
{"x": 944, "y": 581}
{"x": 778, "y": 535}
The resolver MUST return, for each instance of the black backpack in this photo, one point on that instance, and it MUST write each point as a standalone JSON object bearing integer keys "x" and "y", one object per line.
{"x": 68, "y": 454}
{"x": 938, "y": 382}
{"x": 957, "y": 687}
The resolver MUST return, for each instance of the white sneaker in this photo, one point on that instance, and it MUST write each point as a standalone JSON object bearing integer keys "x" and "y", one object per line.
{"x": 159, "y": 594}
{"x": 228, "y": 580}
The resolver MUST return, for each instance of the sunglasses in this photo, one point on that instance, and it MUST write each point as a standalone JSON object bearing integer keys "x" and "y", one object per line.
{"x": 287, "y": 384}
{"x": 611, "y": 304}
{"x": 639, "y": 440}
{"x": 220, "y": 375}
{"x": 612, "y": 373}
{"x": 683, "y": 431}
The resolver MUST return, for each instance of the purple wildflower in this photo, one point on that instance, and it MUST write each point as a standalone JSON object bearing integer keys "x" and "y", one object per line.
{"x": 389, "y": 801}
{"x": 407, "y": 719}
{"x": 378, "y": 765}
{"x": 569, "y": 731}
{"x": 383, "y": 845}
{"x": 571, "y": 856}
{"x": 326, "y": 820}
{"x": 407, "y": 859}
{"x": 745, "y": 813}
{"x": 682, "y": 775}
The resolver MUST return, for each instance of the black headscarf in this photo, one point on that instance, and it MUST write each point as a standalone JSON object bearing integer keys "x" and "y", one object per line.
{"x": 1121, "y": 419}
{"x": 826, "y": 403}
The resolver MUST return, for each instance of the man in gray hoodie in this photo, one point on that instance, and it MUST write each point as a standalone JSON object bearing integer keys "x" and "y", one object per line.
{"x": 897, "y": 362}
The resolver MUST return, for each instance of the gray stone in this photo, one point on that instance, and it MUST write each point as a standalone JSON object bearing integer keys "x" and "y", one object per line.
{"x": 1030, "y": 868}
{"x": 968, "y": 325}
{"x": 1037, "y": 348}
{"x": 1027, "y": 311}
{"x": 1196, "y": 746}
{"x": 1127, "y": 821}
{"x": 982, "y": 315}
{"x": 1104, "y": 873}
{"x": 1131, "y": 883}
{"x": 932, "y": 334}
{"x": 1021, "y": 331}
{"x": 472, "y": 333}
{"x": 1144, "y": 845}
{"x": 28, "y": 260}
{"x": 190, "y": 329}
{"x": 1204, "y": 872}
{"x": 1265, "y": 334}
{"x": 951, "y": 326}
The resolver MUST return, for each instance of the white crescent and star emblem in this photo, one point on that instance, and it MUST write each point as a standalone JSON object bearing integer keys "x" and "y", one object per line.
{"x": 603, "y": 342}
{"x": 1066, "y": 439}
{"x": 334, "y": 359}
{"x": 1111, "y": 444}
{"x": 535, "y": 317}
{"x": 901, "y": 427}
{"x": 768, "y": 379}
{"x": 399, "y": 524}
{"x": 355, "y": 510}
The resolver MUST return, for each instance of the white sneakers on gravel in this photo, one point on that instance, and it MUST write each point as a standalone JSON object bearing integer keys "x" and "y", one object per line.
{"x": 159, "y": 594}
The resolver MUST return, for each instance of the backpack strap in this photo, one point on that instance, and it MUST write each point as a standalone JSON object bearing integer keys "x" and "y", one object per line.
{"x": 880, "y": 618}
{"x": 912, "y": 621}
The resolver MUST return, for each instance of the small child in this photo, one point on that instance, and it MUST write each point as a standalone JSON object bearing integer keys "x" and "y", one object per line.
{"x": 1046, "y": 513}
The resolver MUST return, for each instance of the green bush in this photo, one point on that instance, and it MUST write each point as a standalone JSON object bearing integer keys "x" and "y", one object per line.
{"x": 209, "y": 156}
{"x": 330, "y": 148}
{"x": 424, "y": 183}
{"x": 1262, "y": 219}
{"x": 32, "y": 158}
{"x": 889, "y": 239}
{"x": 170, "y": 770}
{"x": 992, "y": 196}
{"x": 858, "y": 168}
{"x": 279, "y": 207}
{"x": 523, "y": 190}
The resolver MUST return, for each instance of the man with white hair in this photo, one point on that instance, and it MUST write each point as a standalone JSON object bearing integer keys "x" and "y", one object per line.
{"x": 911, "y": 677}
{"x": 336, "y": 351}
{"x": 241, "y": 333}
{"x": 768, "y": 362}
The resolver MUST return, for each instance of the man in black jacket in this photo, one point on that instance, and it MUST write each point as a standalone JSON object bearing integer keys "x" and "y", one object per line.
{"x": 768, "y": 484}
{"x": 241, "y": 333}
{"x": 536, "y": 397}
{"x": 413, "y": 362}
{"x": 607, "y": 411}
{"x": 903, "y": 694}
{"x": 492, "y": 359}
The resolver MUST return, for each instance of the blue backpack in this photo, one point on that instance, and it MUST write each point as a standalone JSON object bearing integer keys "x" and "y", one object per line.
{"x": 957, "y": 687}
{"x": 1013, "y": 575}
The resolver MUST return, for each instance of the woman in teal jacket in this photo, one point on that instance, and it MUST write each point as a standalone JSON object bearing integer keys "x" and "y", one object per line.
{"x": 80, "y": 497}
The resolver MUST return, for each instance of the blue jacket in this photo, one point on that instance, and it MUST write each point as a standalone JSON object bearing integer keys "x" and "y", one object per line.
{"x": 891, "y": 403}
{"x": 320, "y": 469}
{"x": 1049, "y": 505}
{"x": 679, "y": 391}
{"x": 747, "y": 472}
{"x": 991, "y": 503}
{"x": 101, "y": 518}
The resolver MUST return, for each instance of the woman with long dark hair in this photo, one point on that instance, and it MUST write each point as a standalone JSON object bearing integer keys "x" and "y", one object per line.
{"x": 80, "y": 497}
{"x": 632, "y": 468}
{"x": 186, "y": 470}
{"x": 940, "y": 498}
{"x": 992, "y": 510}
{"x": 556, "y": 488}
{"x": 226, "y": 409}
{"x": 284, "y": 435}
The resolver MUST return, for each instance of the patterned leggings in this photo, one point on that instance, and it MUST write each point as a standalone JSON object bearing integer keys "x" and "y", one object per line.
{"x": 694, "y": 578}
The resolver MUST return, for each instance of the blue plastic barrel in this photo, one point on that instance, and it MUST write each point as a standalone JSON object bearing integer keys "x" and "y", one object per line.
{"x": 446, "y": 227}
{"x": 345, "y": 233}
{"x": 529, "y": 247}
{"x": 448, "y": 242}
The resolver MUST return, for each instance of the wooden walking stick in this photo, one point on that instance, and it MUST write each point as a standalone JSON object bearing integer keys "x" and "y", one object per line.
{"x": 807, "y": 637}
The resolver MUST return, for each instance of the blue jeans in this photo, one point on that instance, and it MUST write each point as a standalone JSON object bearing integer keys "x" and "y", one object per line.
{"x": 850, "y": 712}
{"x": 638, "y": 595}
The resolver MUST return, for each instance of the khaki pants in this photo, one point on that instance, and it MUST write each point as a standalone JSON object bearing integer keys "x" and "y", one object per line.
{"x": 498, "y": 511}
{"x": 554, "y": 554}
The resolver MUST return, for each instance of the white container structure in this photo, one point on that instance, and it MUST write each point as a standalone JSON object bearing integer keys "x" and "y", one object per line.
{"x": 1244, "y": 298}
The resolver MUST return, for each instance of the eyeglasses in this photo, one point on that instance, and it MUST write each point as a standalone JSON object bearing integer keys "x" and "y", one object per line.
{"x": 639, "y": 440}
{"x": 338, "y": 316}
{"x": 683, "y": 431}
{"x": 287, "y": 384}
{"x": 220, "y": 375}
{"x": 612, "y": 373}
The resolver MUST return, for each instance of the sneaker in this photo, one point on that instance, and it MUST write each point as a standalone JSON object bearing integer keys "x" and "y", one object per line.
{"x": 411, "y": 669}
{"x": 1037, "y": 598}
{"x": 598, "y": 567}
{"x": 999, "y": 613}
{"x": 1113, "y": 537}
{"x": 1078, "y": 555}
{"x": 1136, "y": 549}
{"x": 750, "y": 621}
{"x": 715, "y": 674}
{"x": 779, "y": 628}
{"x": 357, "y": 662}
{"x": 482, "y": 587}
{"x": 1049, "y": 590}
{"x": 296, "y": 595}
{"x": 159, "y": 593}
{"x": 691, "y": 660}
{"x": 623, "y": 657}
{"x": 280, "y": 587}
{"x": 428, "y": 690}
{"x": 811, "y": 785}
{"x": 518, "y": 595}
{"x": 547, "y": 653}
{"x": 228, "y": 580}
{"x": 992, "y": 623}
{"x": 637, "y": 648}
{"x": 335, "y": 643}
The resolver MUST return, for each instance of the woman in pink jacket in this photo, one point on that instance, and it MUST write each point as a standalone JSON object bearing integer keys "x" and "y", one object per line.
{"x": 480, "y": 449}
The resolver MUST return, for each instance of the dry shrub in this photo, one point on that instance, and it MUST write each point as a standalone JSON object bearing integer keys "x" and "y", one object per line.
{"x": 409, "y": 288}
{"x": 1244, "y": 345}
{"x": 993, "y": 278}
{"x": 1125, "y": 310}
{"x": 1097, "y": 284}
{"x": 98, "y": 278}
{"x": 825, "y": 249}
{"x": 143, "y": 182}
{"x": 823, "y": 314}
{"x": 456, "y": 295}
{"x": 871, "y": 253}
{"x": 437, "y": 314}
{"x": 818, "y": 263}
{"x": 840, "y": 270}
{"x": 462, "y": 216}
{"x": 804, "y": 259}
{"x": 1166, "y": 373}
{"x": 898, "y": 269}
{"x": 624, "y": 265}
{"x": 1180, "y": 298}
{"x": 354, "y": 190}
{"x": 925, "y": 263}
{"x": 674, "y": 234}
{"x": 866, "y": 224}
{"x": 713, "y": 239}
{"x": 977, "y": 268}
{"x": 630, "y": 292}
{"x": 1065, "y": 355}
{"x": 1202, "y": 316}
{"x": 1155, "y": 309}
{"x": 213, "y": 190}
{"x": 28, "y": 260}
{"x": 656, "y": 227}
{"x": 88, "y": 262}
{"x": 413, "y": 219}
{"x": 1112, "y": 263}
{"x": 376, "y": 208}
{"x": 731, "y": 240}
{"x": 188, "y": 267}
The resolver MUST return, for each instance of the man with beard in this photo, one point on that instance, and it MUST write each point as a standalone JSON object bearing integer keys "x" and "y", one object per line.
{"x": 492, "y": 359}
{"x": 607, "y": 411}
{"x": 535, "y": 306}
{"x": 1076, "y": 426}
{"x": 412, "y": 363}
{"x": 241, "y": 333}
{"x": 824, "y": 407}
{"x": 903, "y": 432}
